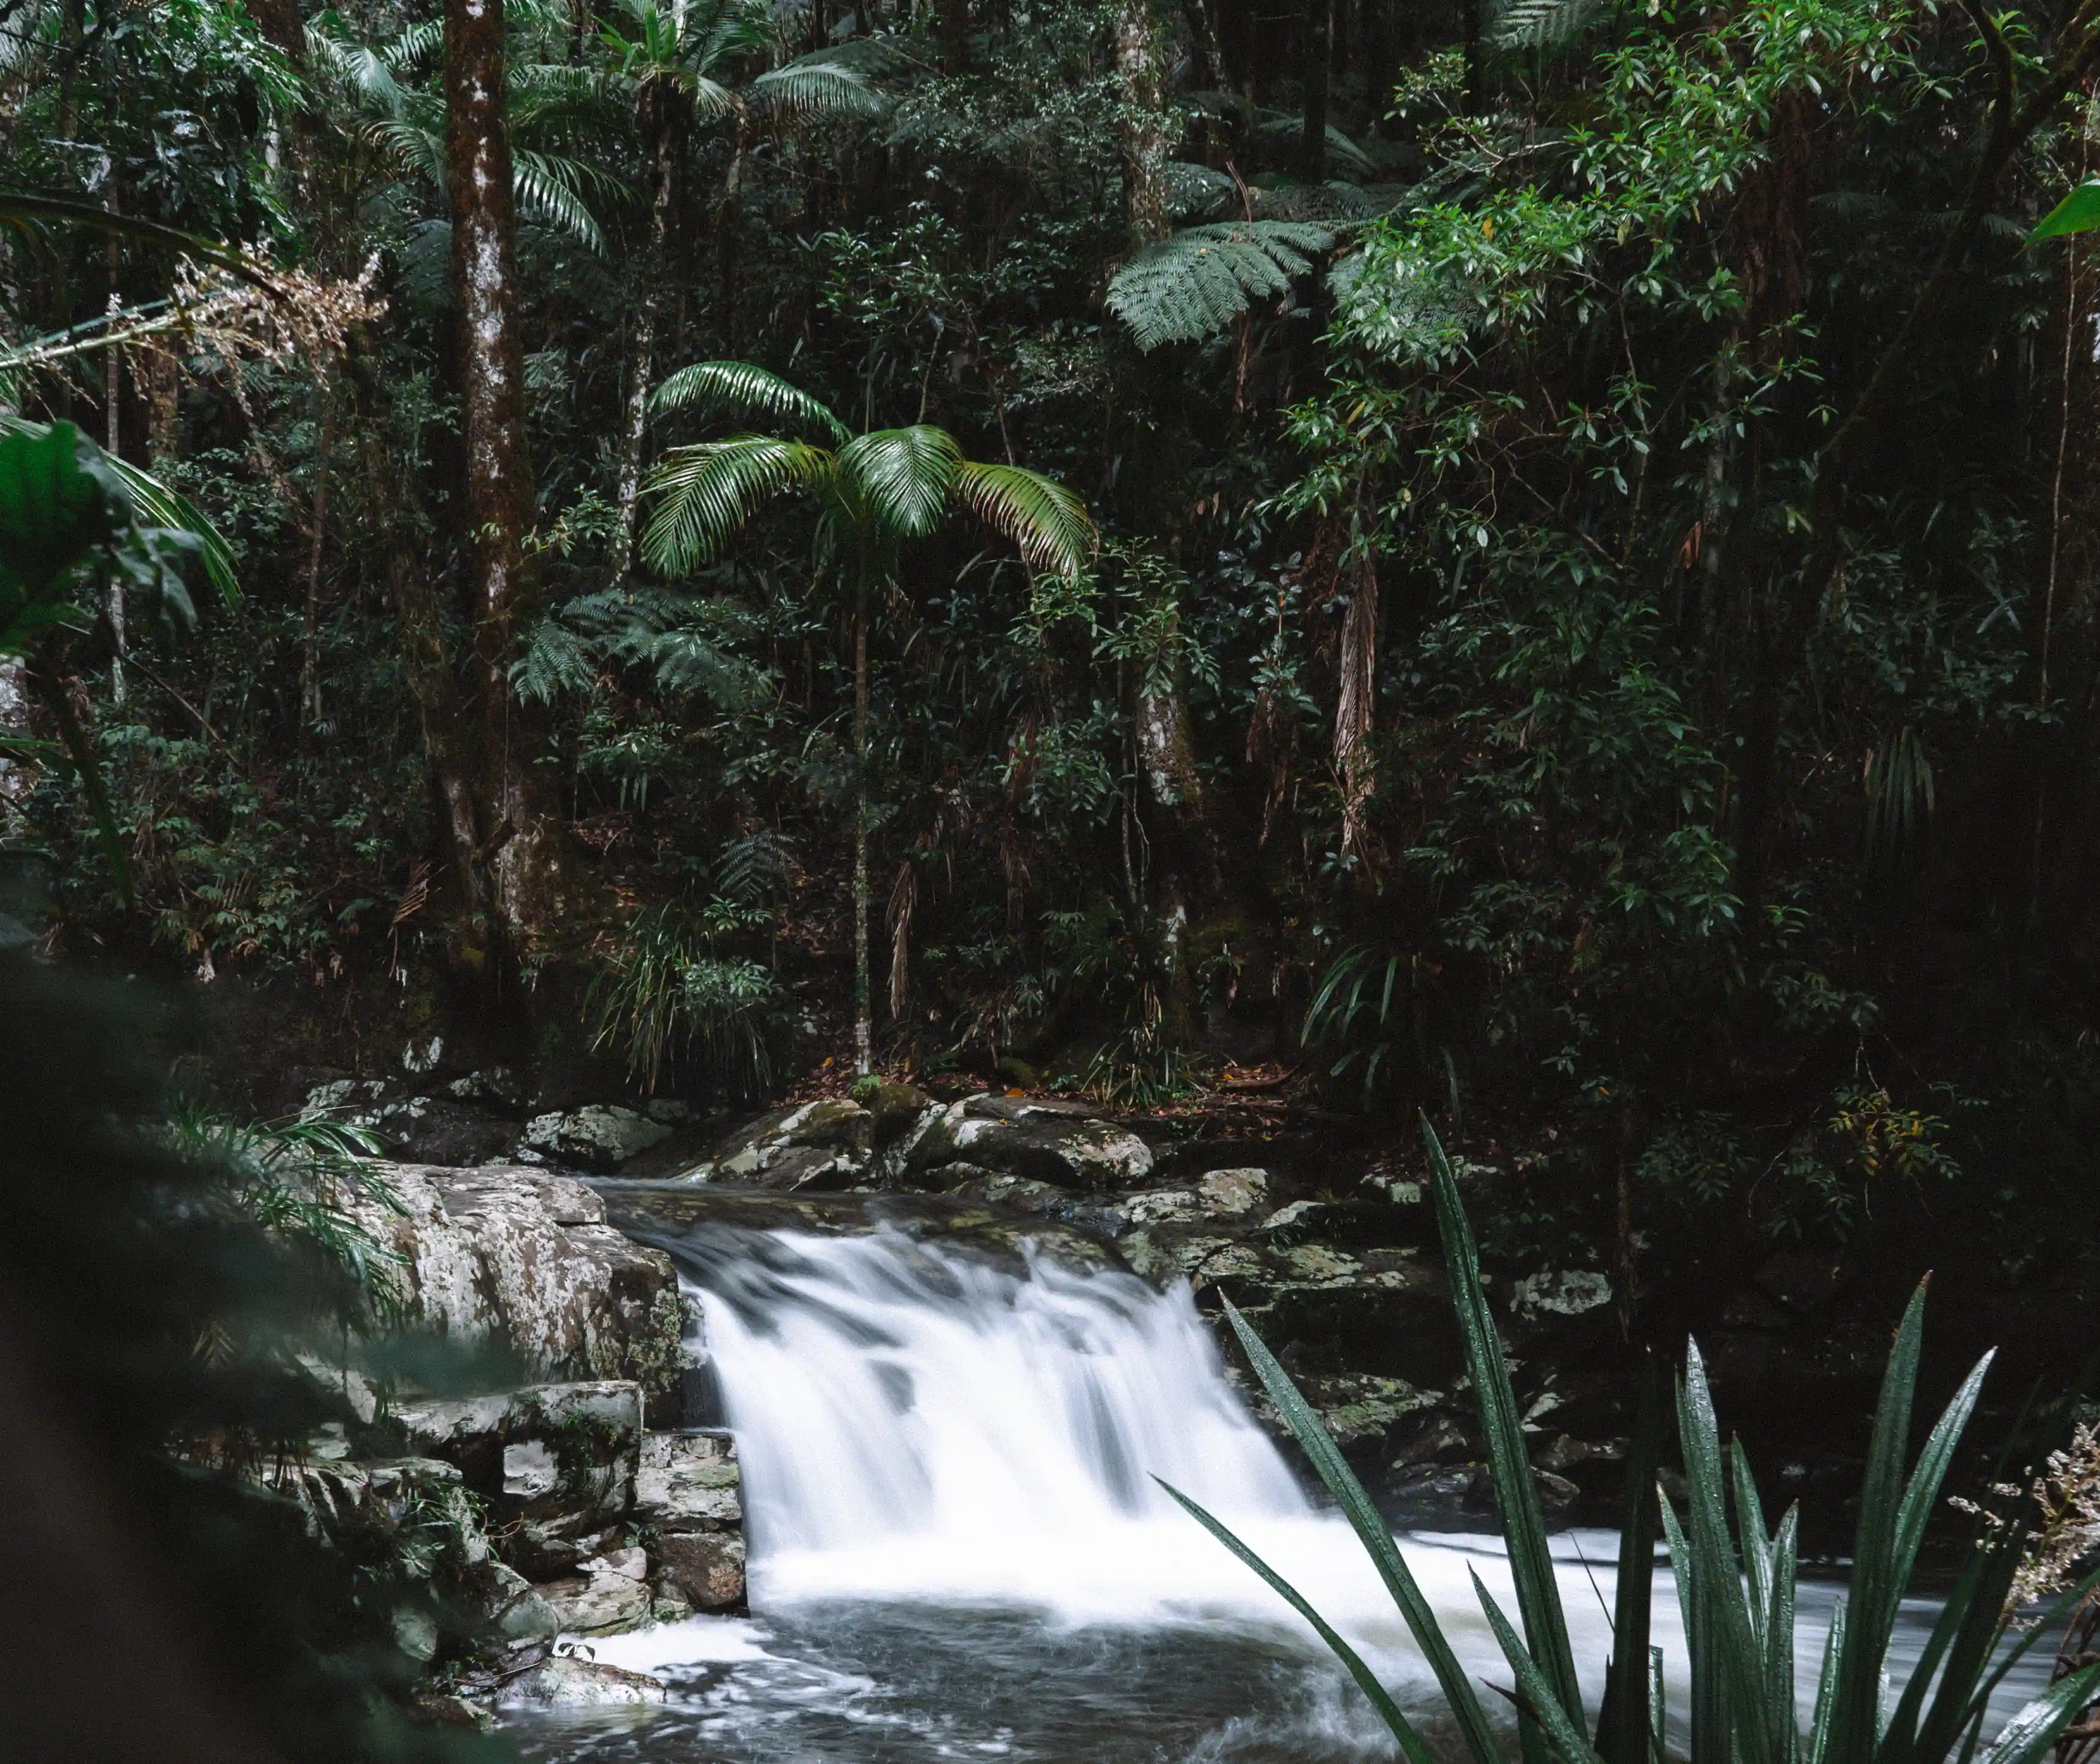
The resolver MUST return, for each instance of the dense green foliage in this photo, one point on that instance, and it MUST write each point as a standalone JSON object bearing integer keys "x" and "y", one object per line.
{"x": 1593, "y": 631}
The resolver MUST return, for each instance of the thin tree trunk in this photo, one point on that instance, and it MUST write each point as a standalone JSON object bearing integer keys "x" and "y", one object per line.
{"x": 1145, "y": 129}
{"x": 863, "y": 984}
{"x": 525, "y": 841}
{"x": 1319, "y": 56}
{"x": 113, "y": 398}
{"x": 642, "y": 362}
{"x": 309, "y": 680}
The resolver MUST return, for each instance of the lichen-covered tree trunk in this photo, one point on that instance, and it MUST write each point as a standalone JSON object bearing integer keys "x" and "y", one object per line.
{"x": 524, "y": 837}
{"x": 664, "y": 119}
{"x": 1147, "y": 132}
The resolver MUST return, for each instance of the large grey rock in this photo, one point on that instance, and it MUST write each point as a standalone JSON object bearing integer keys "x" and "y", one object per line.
{"x": 1062, "y": 1144}
{"x": 706, "y": 1567}
{"x": 567, "y": 1680}
{"x": 688, "y": 1482}
{"x": 599, "y": 1136}
{"x": 611, "y": 1596}
{"x": 554, "y": 1464}
{"x": 524, "y": 1259}
{"x": 819, "y": 1145}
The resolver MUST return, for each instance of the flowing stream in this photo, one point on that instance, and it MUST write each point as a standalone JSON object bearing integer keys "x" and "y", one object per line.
{"x": 959, "y": 1549}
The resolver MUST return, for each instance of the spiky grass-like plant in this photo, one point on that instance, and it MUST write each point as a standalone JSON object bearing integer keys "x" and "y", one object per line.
{"x": 1735, "y": 1585}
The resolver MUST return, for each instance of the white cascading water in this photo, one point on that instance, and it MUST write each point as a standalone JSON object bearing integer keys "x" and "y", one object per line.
{"x": 916, "y": 1423}
{"x": 921, "y": 1427}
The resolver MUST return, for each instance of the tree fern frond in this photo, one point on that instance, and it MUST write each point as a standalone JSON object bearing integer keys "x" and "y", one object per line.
{"x": 904, "y": 475}
{"x": 1541, "y": 24}
{"x": 1194, "y": 283}
{"x": 555, "y": 662}
{"x": 743, "y": 389}
{"x": 1046, "y": 520}
{"x": 711, "y": 489}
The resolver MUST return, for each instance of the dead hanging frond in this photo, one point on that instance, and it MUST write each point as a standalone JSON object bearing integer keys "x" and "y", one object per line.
{"x": 264, "y": 313}
{"x": 1356, "y": 706}
{"x": 1899, "y": 794}
{"x": 903, "y": 901}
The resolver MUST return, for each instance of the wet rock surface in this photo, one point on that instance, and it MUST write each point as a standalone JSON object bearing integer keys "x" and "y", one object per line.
{"x": 524, "y": 1262}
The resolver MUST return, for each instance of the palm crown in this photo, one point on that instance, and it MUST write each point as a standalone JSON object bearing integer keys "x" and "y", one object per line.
{"x": 873, "y": 491}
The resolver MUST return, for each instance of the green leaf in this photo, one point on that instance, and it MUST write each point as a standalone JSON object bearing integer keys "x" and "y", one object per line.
{"x": 1562, "y": 1728}
{"x": 711, "y": 489}
{"x": 903, "y": 477}
{"x": 1194, "y": 283}
{"x": 2078, "y": 212}
{"x": 1410, "y": 1741}
{"x": 1624, "y": 1733}
{"x": 1371, "y": 1530}
{"x": 744, "y": 390}
{"x": 2036, "y": 1728}
{"x": 1046, "y": 520}
{"x": 1516, "y": 1490}
{"x": 56, "y": 512}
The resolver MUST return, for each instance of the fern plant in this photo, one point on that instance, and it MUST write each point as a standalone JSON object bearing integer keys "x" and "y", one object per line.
{"x": 1193, "y": 284}
{"x": 1542, "y": 24}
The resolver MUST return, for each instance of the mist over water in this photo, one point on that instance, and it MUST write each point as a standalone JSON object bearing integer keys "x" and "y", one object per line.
{"x": 959, "y": 1549}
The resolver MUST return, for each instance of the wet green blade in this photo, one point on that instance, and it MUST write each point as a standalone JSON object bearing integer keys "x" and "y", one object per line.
{"x": 1403, "y": 1731}
{"x": 1364, "y": 1517}
{"x": 1562, "y": 1727}
{"x": 1516, "y": 1491}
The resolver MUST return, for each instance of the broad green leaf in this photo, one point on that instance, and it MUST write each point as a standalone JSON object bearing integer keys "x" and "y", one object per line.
{"x": 2078, "y": 212}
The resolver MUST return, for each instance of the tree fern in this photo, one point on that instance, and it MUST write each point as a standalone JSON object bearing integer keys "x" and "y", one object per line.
{"x": 1194, "y": 283}
{"x": 1541, "y": 24}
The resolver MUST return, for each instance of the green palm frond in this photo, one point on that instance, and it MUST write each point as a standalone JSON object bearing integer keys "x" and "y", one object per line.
{"x": 742, "y": 389}
{"x": 1193, "y": 284}
{"x": 548, "y": 190}
{"x": 817, "y": 85}
{"x": 412, "y": 146}
{"x": 903, "y": 476}
{"x": 359, "y": 70}
{"x": 1541, "y": 24}
{"x": 160, "y": 506}
{"x": 1046, "y": 520}
{"x": 415, "y": 44}
{"x": 711, "y": 489}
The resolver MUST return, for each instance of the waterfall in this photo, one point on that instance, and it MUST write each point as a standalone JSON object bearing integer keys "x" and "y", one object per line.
{"x": 912, "y": 1418}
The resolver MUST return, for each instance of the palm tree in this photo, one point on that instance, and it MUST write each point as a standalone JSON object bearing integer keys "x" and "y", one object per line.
{"x": 873, "y": 491}
{"x": 678, "y": 62}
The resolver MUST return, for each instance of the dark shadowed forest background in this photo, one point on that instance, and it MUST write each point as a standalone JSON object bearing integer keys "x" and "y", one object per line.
{"x": 1532, "y": 562}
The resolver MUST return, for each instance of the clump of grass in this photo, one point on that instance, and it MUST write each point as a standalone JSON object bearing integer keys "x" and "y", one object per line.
{"x": 666, "y": 997}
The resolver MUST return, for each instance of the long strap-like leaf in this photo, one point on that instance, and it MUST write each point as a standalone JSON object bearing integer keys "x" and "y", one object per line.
{"x": 2038, "y": 1726}
{"x": 1516, "y": 1492}
{"x": 1561, "y": 1725}
{"x": 1624, "y": 1734}
{"x": 1410, "y": 1741}
{"x": 1364, "y": 1520}
{"x": 1855, "y": 1716}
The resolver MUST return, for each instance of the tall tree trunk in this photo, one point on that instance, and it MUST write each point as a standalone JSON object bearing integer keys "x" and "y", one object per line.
{"x": 1356, "y": 707}
{"x": 524, "y": 841}
{"x": 863, "y": 979}
{"x": 647, "y": 322}
{"x": 1146, "y": 131}
{"x": 1319, "y": 57}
